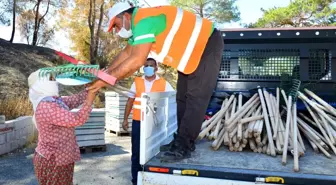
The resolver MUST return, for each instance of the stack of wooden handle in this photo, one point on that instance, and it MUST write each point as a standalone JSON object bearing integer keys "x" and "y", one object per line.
{"x": 258, "y": 125}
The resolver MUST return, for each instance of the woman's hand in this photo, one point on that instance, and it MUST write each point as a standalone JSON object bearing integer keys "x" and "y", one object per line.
{"x": 91, "y": 95}
{"x": 98, "y": 84}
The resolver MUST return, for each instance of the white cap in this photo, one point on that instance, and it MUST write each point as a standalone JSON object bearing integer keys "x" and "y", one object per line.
{"x": 116, "y": 10}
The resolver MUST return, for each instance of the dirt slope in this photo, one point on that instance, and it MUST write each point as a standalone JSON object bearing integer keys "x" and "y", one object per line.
{"x": 17, "y": 61}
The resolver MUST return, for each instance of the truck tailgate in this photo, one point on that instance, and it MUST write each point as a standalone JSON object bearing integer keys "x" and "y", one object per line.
{"x": 246, "y": 166}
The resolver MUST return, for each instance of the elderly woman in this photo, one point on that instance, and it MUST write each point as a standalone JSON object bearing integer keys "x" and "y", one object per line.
{"x": 57, "y": 148}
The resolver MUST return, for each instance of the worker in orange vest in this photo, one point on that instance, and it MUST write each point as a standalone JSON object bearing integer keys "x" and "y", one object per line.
{"x": 150, "y": 82}
{"x": 179, "y": 39}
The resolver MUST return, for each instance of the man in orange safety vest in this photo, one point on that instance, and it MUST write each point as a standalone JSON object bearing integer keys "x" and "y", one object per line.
{"x": 150, "y": 82}
{"x": 182, "y": 40}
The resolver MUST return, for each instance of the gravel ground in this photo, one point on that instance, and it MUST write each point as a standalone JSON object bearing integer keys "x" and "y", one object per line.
{"x": 110, "y": 167}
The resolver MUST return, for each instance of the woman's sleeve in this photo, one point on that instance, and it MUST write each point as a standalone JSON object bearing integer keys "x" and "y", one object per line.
{"x": 57, "y": 115}
{"x": 75, "y": 100}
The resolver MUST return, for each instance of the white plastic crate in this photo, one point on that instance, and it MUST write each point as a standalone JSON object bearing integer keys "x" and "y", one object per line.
{"x": 115, "y": 105}
{"x": 115, "y": 125}
{"x": 92, "y": 133}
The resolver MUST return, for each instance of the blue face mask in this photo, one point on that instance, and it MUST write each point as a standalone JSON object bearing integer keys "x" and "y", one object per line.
{"x": 149, "y": 71}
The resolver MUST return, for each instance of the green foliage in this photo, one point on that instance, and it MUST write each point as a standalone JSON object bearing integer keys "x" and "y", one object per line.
{"x": 299, "y": 13}
{"x": 74, "y": 20}
{"x": 32, "y": 17}
{"x": 220, "y": 11}
{"x": 8, "y": 11}
{"x": 6, "y": 8}
{"x": 26, "y": 24}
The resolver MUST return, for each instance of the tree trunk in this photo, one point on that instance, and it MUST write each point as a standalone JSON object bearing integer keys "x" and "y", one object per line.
{"x": 201, "y": 10}
{"x": 14, "y": 17}
{"x": 91, "y": 21}
{"x": 36, "y": 22}
{"x": 95, "y": 53}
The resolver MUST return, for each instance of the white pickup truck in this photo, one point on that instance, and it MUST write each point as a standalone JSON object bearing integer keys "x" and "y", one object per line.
{"x": 251, "y": 58}
{"x": 222, "y": 167}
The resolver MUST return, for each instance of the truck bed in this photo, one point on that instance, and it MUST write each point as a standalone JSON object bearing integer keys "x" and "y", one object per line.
{"x": 315, "y": 168}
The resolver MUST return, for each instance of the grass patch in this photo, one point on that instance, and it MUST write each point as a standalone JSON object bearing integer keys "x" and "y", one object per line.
{"x": 15, "y": 107}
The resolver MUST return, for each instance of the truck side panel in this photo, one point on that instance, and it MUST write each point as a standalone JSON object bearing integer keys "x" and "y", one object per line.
{"x": 148, "y": 178}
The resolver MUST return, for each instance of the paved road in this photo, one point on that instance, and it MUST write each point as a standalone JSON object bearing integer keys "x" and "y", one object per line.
{"x": 110, "y": 167}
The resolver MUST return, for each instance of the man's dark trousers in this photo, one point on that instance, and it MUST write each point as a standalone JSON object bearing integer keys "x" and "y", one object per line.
{"x": 194, "y": 90}
{"x": 135, "y": 150}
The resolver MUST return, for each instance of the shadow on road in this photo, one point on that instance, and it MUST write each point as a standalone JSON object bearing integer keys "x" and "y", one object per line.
{"x": 110, "y": 167}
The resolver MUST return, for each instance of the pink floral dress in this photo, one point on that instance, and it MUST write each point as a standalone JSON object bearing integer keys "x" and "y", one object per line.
{"x": 57, "y": 148}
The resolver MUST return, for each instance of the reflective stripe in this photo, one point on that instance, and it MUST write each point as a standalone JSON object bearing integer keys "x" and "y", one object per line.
{"x": 155, "y": 56}
{"x": 137, "y": 99}
{"x": 136, "y": 106}
{"x": 170, "y": 37}
{"x": 191, "y": 44}
{"x": 144, "y": 37}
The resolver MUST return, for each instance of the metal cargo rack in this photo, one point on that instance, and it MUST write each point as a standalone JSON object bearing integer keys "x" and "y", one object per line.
{"x": 264, "y": 57}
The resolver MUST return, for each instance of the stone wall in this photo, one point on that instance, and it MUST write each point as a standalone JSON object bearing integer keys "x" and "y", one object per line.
{"x": 16, "y": 133}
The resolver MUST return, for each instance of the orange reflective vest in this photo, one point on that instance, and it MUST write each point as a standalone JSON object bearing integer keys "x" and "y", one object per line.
{"x": 159, "y": 85}
{"x": 182, "y": 44}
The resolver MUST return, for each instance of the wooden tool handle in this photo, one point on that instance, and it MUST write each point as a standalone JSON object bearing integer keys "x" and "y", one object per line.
{"x": 267, "y": 124}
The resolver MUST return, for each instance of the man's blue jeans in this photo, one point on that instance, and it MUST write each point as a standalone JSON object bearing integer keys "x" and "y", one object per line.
{"x": 135, "y": 151}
